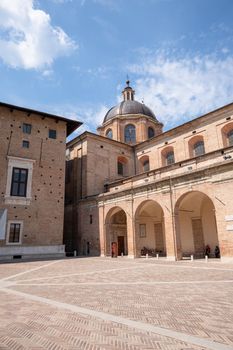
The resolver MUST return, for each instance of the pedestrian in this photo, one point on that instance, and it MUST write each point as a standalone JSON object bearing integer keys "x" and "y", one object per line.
{"x": 207, "y": 250}
{"x": 217, "y": 252}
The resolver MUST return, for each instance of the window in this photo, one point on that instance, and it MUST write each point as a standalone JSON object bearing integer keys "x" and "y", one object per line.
{"x": 146, "y": 165}
{"x": 151, "y": 133}
{"x": 170, "y": 158}
{"x": 109, "y": 133}
{"x": 230, "y": 137}
{"x": 19, "y": 182}
{"x": 198, "y": 148}
{"x": 120, "y": 168}
{"x": 91, "y": 219}
{"x": 27, "y": 128}
{"x": 52, "y": 134}
{"x": 25, "y": 144}
{"x": 142, "y": 230}
{"x": 14, "y": 233}
{"x": 130, "y": 133}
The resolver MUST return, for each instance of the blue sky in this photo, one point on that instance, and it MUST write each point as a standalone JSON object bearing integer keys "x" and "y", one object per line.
{"x": 71, "y": 57}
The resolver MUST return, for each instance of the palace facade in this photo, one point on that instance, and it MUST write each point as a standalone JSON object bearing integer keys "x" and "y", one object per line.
{"x": 134, "y": 190}
{"x": 32, "y": 182}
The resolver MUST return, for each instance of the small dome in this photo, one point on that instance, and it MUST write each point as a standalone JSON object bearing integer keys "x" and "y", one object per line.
{"x": 129, "y": 107}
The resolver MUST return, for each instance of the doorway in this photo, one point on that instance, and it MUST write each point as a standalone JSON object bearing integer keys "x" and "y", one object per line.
{"x": 121, "y": 245}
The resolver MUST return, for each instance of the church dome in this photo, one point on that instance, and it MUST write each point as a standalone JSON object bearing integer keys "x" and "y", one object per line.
{"x": 129, "y": 106}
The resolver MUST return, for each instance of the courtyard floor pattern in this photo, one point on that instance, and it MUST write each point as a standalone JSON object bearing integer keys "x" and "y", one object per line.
{"x": 103, "y": 303}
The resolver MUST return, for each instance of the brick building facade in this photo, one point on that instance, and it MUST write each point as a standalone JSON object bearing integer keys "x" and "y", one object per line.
{"x": 134, "y": 189}
{"x": 32, "y": 174}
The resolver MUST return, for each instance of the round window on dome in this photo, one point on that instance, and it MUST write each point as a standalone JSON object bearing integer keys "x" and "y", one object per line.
{"x": 109, "y": 133}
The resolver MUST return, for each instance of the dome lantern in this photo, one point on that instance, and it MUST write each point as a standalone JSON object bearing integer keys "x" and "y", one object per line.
{"x": 128, "y": 92}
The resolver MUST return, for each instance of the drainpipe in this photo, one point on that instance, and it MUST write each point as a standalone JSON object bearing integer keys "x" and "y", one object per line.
{"x": 173, "y": 218}
{"x": 135, "y": 168}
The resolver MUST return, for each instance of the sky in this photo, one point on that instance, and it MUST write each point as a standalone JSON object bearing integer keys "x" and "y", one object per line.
{"x": 72, "y": 57}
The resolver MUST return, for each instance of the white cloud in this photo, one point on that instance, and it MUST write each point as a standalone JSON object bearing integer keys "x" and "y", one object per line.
{"x": 178, "y": 89}
{"x": 27, "y": 38}
{"x": 90, "y": 116}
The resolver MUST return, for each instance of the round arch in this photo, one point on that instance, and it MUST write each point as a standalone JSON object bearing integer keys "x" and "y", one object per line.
{"x": 144, "y": 164}
{"x": 116, "y": 232}
{"x": 196, "y": 224}
{"x": 226, "y": 134}
{"x": 149, "y": 229}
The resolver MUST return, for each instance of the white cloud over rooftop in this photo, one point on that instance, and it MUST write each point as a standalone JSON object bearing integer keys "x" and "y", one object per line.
{"x": 178, "y": 89}
{"x": 27, "y": 38}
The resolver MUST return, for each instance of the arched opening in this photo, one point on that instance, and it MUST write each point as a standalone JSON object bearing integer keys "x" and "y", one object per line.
{"x": 230, "y": 137}
{"x": 168, "y": 156}
{"x": 196, "y": 224}
{"x": 227, "y": 135}
{"x": 116, "y": 233}
{"x": 144, "y": 164}
{"x": 109, "y": 133}
{"x": 196, "y": 146}
{"x": 151, "y": 132}
{"x": 130, "y": 133}
{"x": 122, "y": 166}
{"x": 149, "y": 221}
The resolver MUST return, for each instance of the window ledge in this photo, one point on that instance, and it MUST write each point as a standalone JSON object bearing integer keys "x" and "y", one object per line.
{"x": 13, "y": 243}
{"x": 14, "y": 200}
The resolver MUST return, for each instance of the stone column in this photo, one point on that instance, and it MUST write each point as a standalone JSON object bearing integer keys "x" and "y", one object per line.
{"x": 102, "y": 231}
{"x": 173, "y": 247}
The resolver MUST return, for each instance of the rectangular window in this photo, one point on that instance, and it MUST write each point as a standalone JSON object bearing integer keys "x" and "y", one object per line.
{"x": 25, "y": 144}
{"x": 27, "y": 128}
{"x": 91, "y": 219}
{"x": 52, "y": 134}
{"x": 142, "y": 230}
{"x": 120, "y": 168}
{"x": 19, "y": 182}
{"x": 14, "y": 234}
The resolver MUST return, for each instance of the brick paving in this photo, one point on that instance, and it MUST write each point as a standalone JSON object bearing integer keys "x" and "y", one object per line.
{"x": 98, "y": 303}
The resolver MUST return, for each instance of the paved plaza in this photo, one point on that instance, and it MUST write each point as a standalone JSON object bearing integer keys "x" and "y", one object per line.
{"x": 103, "y": 303}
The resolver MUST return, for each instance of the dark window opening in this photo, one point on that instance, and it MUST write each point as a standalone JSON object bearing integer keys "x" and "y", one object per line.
{"x": 27, "y": 128}
{"x": 25, "y": 144}
{"x": 146, "y": 165}
{"x": 52, "y": 134}
{"x": 14, "y": 236}
{"x": 170, "y": 158}
{"x": 151, "y": 133}
{"x": 109, "y": 133}
{"x": 19, "y": 182}
{"x": 199, "y": 148}
{"x": 230, "y": 137}
{"x": 91, "y": 219}
{"x": 120, "y": 168}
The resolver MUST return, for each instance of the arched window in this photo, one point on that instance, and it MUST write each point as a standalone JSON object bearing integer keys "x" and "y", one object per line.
{"x": 130, "y": 133}
{"x": 230, "y": 137}
{"x": 122, "y": 166}
{"x": 146, "y": 165}
{"x": 151, "y": 133}
{"x": 227, "y": 134}
{"x": 109, "y": 133}
{"x": 198, "y": 148}
{"x": 170, "y": 158}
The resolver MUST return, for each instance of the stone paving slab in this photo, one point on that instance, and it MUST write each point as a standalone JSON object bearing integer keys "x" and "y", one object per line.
{"x": 65, "y": 304}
